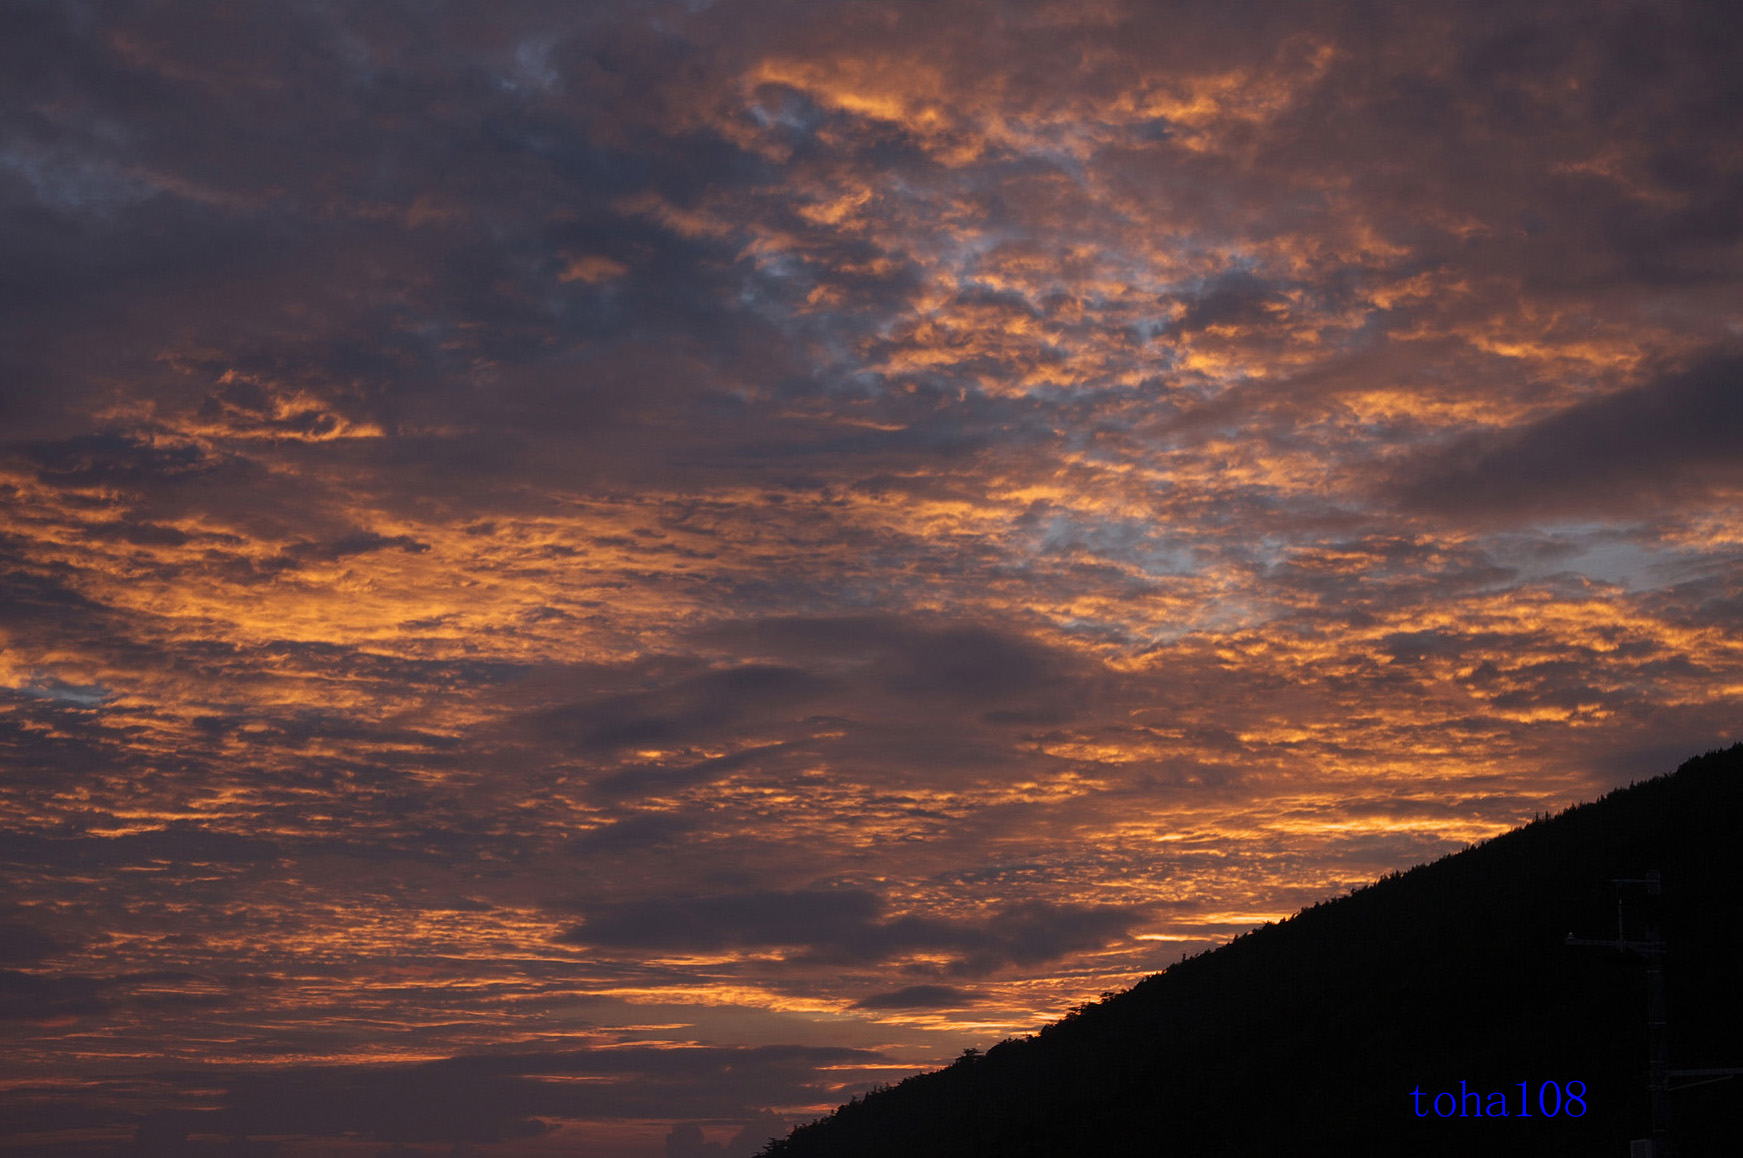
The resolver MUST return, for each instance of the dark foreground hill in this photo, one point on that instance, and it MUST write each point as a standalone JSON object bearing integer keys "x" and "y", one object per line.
{"x": 1308, "y": 1037}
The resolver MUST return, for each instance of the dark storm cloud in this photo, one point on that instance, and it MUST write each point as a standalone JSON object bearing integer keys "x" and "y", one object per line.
{"x": 849, "y": 925}
{"x": 1629, "y": 451}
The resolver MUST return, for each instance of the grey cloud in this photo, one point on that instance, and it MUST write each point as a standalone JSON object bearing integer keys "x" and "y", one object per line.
{"x": 139, "y": 534}
{"x": 689, "y": 710}
{"x": 41, "y": 998}
{"x": 918, "y": 997}
{"x": 296, "y": 729}
{"x": 49, "y": 740}
{"x": 116, "y": 460}
{"x": 1236, "y": 299}
{"x": 849, "y": 925}
{"x": 263, "y": 226}
{"x": 634, "y": 832}
{"x": 1035, "y": 931}
{"x": 441, "y": 282}
{"x": 1713, "y": 599}
{"x": 23, "y": 944}
{"x": 972, "y": 664}
{"x": 493, "y": 1098}
{"x": 652, "y": 780}
{"x": 885, "y": 691}
{"x": 178, "y": 843}
{"x": 355, "y": 543}
{"x": 964, "y": 663}
{"x": 686, "y": 1140}
{"x": 1415, "y": 646}
{"x": 753, "y": 919}
{"x": 1624, "y": 452}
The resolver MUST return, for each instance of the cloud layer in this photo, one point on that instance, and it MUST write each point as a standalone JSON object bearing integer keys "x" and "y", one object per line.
{"x": 673, "y": 562}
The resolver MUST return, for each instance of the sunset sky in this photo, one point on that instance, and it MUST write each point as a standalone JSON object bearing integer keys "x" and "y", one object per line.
{"x": 599, "y": 578}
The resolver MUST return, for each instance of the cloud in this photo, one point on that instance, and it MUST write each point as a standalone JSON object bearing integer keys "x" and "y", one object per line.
{"x": 1634, "y": 450}
{"x": 754, "y": 919}
{"x": 641, "y": 780}
{"x": 502, "y": 1097}
{"x": 179, "y": 842}
{"x": 926, "y": 697}
{"x": 48, "y": 999}
{"x": 849, "y": 925}
{"x": 1236, "y": 300}
{"x": 963, "y": 664}
{"x": 859, "y": 494}
{"x": 918, "y": 997}
{"x": 696, "y": 707}
{"x": 686, "y": 1140}
{"x": 22, "y": 944}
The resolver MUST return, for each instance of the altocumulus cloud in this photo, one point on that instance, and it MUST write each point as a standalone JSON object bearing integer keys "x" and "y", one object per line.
{"x": 728, "y": 544}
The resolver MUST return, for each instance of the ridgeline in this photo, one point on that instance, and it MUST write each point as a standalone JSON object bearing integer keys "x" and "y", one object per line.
{"x": 1454, "y": 977}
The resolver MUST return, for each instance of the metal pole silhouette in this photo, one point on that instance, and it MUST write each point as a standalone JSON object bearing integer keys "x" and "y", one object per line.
{"x": 1658, "y": 1071}
{"x": 1657, "y": 1025}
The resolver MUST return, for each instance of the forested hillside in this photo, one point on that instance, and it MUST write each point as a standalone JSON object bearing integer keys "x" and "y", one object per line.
{"x": 1315, "y": 1031}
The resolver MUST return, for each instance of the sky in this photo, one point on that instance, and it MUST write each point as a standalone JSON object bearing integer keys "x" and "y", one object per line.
{"x": 598, "y": 579}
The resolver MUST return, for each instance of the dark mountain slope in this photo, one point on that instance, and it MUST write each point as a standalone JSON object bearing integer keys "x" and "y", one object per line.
{"x": 1308, "y": 1036}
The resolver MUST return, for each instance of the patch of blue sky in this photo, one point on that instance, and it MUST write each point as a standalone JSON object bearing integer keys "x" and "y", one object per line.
{"x": 1603, "y": 553}
{"x": 1135, "y": 542}
{"x": 78, "y": 695}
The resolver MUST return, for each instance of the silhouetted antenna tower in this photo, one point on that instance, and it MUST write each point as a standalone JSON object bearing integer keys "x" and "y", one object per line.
{"x": 1659, "y": 1075}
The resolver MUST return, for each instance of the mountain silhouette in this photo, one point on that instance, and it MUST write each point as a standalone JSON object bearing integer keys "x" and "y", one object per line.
{"x": 1309, "y": 1036}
